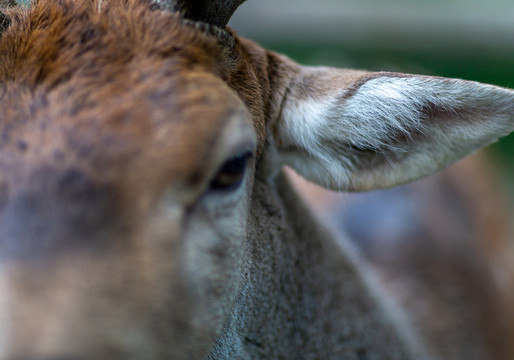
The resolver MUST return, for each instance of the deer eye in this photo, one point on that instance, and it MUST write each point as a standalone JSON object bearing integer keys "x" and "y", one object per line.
{"x": 231, "y": 173}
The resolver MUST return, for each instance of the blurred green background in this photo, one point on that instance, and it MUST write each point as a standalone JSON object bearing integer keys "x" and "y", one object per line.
{"x": 468, "y": 39}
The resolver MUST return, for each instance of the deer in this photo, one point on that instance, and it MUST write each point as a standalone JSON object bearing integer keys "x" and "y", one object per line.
{"x": 144, "y": 210}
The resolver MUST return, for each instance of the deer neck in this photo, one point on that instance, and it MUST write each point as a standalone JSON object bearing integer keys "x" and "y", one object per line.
{"x": 301, "y": 295}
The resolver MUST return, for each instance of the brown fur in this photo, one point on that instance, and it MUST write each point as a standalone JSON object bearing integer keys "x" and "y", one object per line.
{"x": 44, "y": 60}
{"x": 59, "y": 63}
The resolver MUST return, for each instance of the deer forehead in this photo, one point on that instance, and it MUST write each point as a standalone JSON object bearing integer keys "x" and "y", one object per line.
{"x": 144, "y": 102}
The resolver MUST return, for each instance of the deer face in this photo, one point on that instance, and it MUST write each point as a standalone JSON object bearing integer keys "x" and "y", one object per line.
{"x": 134, "y": 147}
{"x": 125, "y": 179}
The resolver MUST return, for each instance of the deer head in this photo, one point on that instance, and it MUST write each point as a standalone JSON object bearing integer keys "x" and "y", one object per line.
{"x": 141, "y": 216}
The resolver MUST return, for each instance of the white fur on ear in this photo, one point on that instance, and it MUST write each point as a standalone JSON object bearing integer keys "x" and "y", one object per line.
{"x": 391, "y": 129}
{"x": 384, "y": 107}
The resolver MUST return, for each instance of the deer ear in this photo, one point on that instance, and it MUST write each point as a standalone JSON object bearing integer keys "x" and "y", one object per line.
{"x": 360, "y": 131}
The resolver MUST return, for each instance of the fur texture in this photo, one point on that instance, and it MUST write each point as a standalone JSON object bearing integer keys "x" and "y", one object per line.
{"x": 120, "y": 120}
{"x": 384, "y": 132}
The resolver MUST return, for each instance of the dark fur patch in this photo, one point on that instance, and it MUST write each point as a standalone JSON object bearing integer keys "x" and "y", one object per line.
{"x": 5, "y": 22}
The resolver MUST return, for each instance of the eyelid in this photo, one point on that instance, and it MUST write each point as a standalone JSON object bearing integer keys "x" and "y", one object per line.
{"x": 231, "y": 174}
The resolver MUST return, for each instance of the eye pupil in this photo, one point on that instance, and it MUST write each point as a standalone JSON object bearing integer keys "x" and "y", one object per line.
{"x": 231, "y": 174}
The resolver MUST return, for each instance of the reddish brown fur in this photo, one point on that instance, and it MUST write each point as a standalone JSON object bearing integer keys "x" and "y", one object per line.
{"x": 45, "y": 72}
{"x": 66, "y": 110}
{"x": 139, "y": 39}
